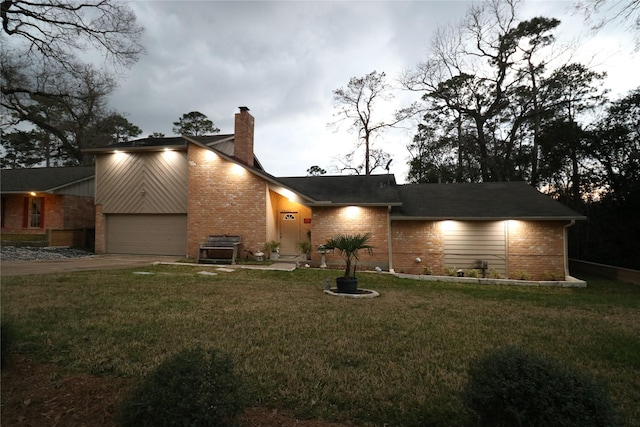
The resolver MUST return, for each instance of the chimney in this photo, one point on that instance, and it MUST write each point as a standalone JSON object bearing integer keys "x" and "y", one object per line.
{"x": 243, "y": 138}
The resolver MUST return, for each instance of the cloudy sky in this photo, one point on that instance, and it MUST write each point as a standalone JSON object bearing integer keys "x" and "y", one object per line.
{"x": 283, "y": 59}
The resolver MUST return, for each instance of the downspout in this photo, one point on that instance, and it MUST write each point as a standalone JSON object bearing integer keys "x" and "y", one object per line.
{"x": 566, "y": 248}
{"x": 390, "y": 246}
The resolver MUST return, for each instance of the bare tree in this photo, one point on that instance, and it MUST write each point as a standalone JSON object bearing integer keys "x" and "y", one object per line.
{"x": 485, "y": 71}
{"x": 356, "y": 104}
{"x": 599, "y": 13}
{"x": 45, "y": 47}
{"x": 55, "y": 31}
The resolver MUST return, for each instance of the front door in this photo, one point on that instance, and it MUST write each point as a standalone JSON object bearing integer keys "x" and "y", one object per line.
{"x": 289, "y": 232}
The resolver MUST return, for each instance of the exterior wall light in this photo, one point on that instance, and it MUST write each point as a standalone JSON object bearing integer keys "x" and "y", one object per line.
{"x": 352, "y": 211}
{"x": 448, "y": 225}
{"x": 209, "y": 155}
{"x": 237, "y": 169}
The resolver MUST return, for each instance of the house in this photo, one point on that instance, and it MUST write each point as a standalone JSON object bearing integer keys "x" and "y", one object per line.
{"x": 48, "y": 206}
{"x": 166, "y": 195}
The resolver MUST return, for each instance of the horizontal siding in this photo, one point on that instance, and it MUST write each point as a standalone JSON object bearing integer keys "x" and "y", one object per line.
{"x": 142, "y": 183}
{"x": 467, "y": 242}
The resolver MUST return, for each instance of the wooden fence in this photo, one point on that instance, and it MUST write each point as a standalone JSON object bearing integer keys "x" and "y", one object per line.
{"x": 607, "y": 271}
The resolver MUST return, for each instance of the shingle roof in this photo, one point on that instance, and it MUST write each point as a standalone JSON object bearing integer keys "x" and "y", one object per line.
{"x": 220, "y": 143}
{"x": 42, "y": 179}
{"x": 491, "y": 200}
{"x": 379, "y": 190}
{"x": 150, "y": 143}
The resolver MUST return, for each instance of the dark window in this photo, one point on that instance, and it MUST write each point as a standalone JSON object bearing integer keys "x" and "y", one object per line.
{"x": 34, "y": 209}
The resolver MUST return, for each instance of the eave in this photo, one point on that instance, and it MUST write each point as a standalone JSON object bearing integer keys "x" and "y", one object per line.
{"x": 491, "y": 218}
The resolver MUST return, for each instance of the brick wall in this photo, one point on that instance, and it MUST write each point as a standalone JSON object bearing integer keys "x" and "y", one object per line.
{"x": 417, "y": 239}
{"x": 328, "y": 221}
{"x": 60, "y": 213}
{"x": 534, "y": 247}
{"x": 100, "y": 243}
{"x": 224, "y": 198}
{"x": 243, "y": 136}
{"x": 79, "y": 213}
{"x": 537, "y": 248}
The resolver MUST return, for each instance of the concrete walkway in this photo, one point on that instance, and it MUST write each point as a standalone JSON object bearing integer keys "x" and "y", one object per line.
{"x": 106, "y": 262}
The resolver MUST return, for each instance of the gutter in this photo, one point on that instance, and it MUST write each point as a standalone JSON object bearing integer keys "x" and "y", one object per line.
{"x": 488, "y": 218}
{"x": 566, "y": 247}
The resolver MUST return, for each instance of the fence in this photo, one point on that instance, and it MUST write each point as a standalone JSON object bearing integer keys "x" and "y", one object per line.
{"x": 607, "y": 271}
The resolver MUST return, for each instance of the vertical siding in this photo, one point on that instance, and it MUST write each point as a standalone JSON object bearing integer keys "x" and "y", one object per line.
{"x": 142, "y": 182}
{"x": 466, "y": 242}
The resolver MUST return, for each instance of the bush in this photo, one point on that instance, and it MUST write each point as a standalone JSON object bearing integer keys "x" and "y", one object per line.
{"x": 495, "y": 274}
{"x": 192, "y": 388}
{"x": 521, "y": 275}
{"x": 472, "y": 273}
{"x": 509, "y": 387}
{"x": 450, "y": 271}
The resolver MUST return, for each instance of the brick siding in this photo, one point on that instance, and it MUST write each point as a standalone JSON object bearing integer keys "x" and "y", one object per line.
{"x": 329, "y": 221}
{"x": 61, "y": 212}
{"x": 100, "y": 243}
{"x": 224, "y": 198}
{"x": 534, "y": 247}
{"x": 537, "y": 248}
{"x": 417, "y": 239}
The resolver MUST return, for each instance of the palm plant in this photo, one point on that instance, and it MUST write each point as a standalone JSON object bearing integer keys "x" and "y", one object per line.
{"x": 349, "y": 247}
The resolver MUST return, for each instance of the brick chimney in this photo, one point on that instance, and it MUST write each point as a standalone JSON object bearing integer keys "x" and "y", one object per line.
{"x": 243, "y": 138}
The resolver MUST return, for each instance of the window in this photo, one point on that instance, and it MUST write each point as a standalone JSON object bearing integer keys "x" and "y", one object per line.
{"x": 34, "y": 214}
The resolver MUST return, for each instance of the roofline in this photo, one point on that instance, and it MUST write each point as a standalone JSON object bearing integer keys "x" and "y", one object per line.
{"x": 489, "y": 218}
{"x": 77, "y": 181}
{"x": 49, "y": 190}
{"x": 180, "y": 147}
{"x": 325, "y": 203}
{"x": 261, "y": 174}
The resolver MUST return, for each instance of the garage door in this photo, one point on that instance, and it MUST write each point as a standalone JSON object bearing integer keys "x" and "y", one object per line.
{"x": 147, "y": 234}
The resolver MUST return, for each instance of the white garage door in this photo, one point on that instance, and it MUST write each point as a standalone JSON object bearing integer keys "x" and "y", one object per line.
{"x": 147, "y": 234}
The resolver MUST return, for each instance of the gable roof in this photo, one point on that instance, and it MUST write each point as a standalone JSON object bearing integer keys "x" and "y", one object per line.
{"x": 344, "y": 190}
{"x": 44, "y": 180}
{"x": 490, "y": 200}
{"x": 221, "y": 143}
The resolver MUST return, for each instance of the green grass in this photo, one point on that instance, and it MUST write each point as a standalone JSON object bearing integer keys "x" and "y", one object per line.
{"x": 399, "y": 359}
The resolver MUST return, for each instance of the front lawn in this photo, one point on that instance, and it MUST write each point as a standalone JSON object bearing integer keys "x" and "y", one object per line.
{"x": 400, "y": 359}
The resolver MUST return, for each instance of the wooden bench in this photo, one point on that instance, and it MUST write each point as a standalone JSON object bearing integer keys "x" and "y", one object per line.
{"x": 218, "y": 244}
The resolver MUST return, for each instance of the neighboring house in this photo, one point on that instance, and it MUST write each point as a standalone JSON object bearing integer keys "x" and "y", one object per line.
{"x": 48, "y": 206}
{"x": 166, "y": 195}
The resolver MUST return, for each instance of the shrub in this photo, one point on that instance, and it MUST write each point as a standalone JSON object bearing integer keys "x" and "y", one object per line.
{"x": 509, "y": 387}
{"x": 551, "y": 276}
{"x": 521, "y": 275}
{"x": 471, "y": 272}
{"x": 495, "y": 274}
{"x": 192, "y": 388}
{"x": 450, "y": 271}
{"x": 426, "y": 270}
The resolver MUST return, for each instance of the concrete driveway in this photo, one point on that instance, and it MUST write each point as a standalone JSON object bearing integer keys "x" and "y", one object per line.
{"x": 95, "y": 262}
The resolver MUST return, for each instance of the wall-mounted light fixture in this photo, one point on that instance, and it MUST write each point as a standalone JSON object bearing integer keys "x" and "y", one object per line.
{"x": 352, "y": 211}
{"x": 448, "y": 225}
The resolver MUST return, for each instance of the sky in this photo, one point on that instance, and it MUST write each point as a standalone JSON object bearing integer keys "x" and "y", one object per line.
{"x": 283, "y": 60}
